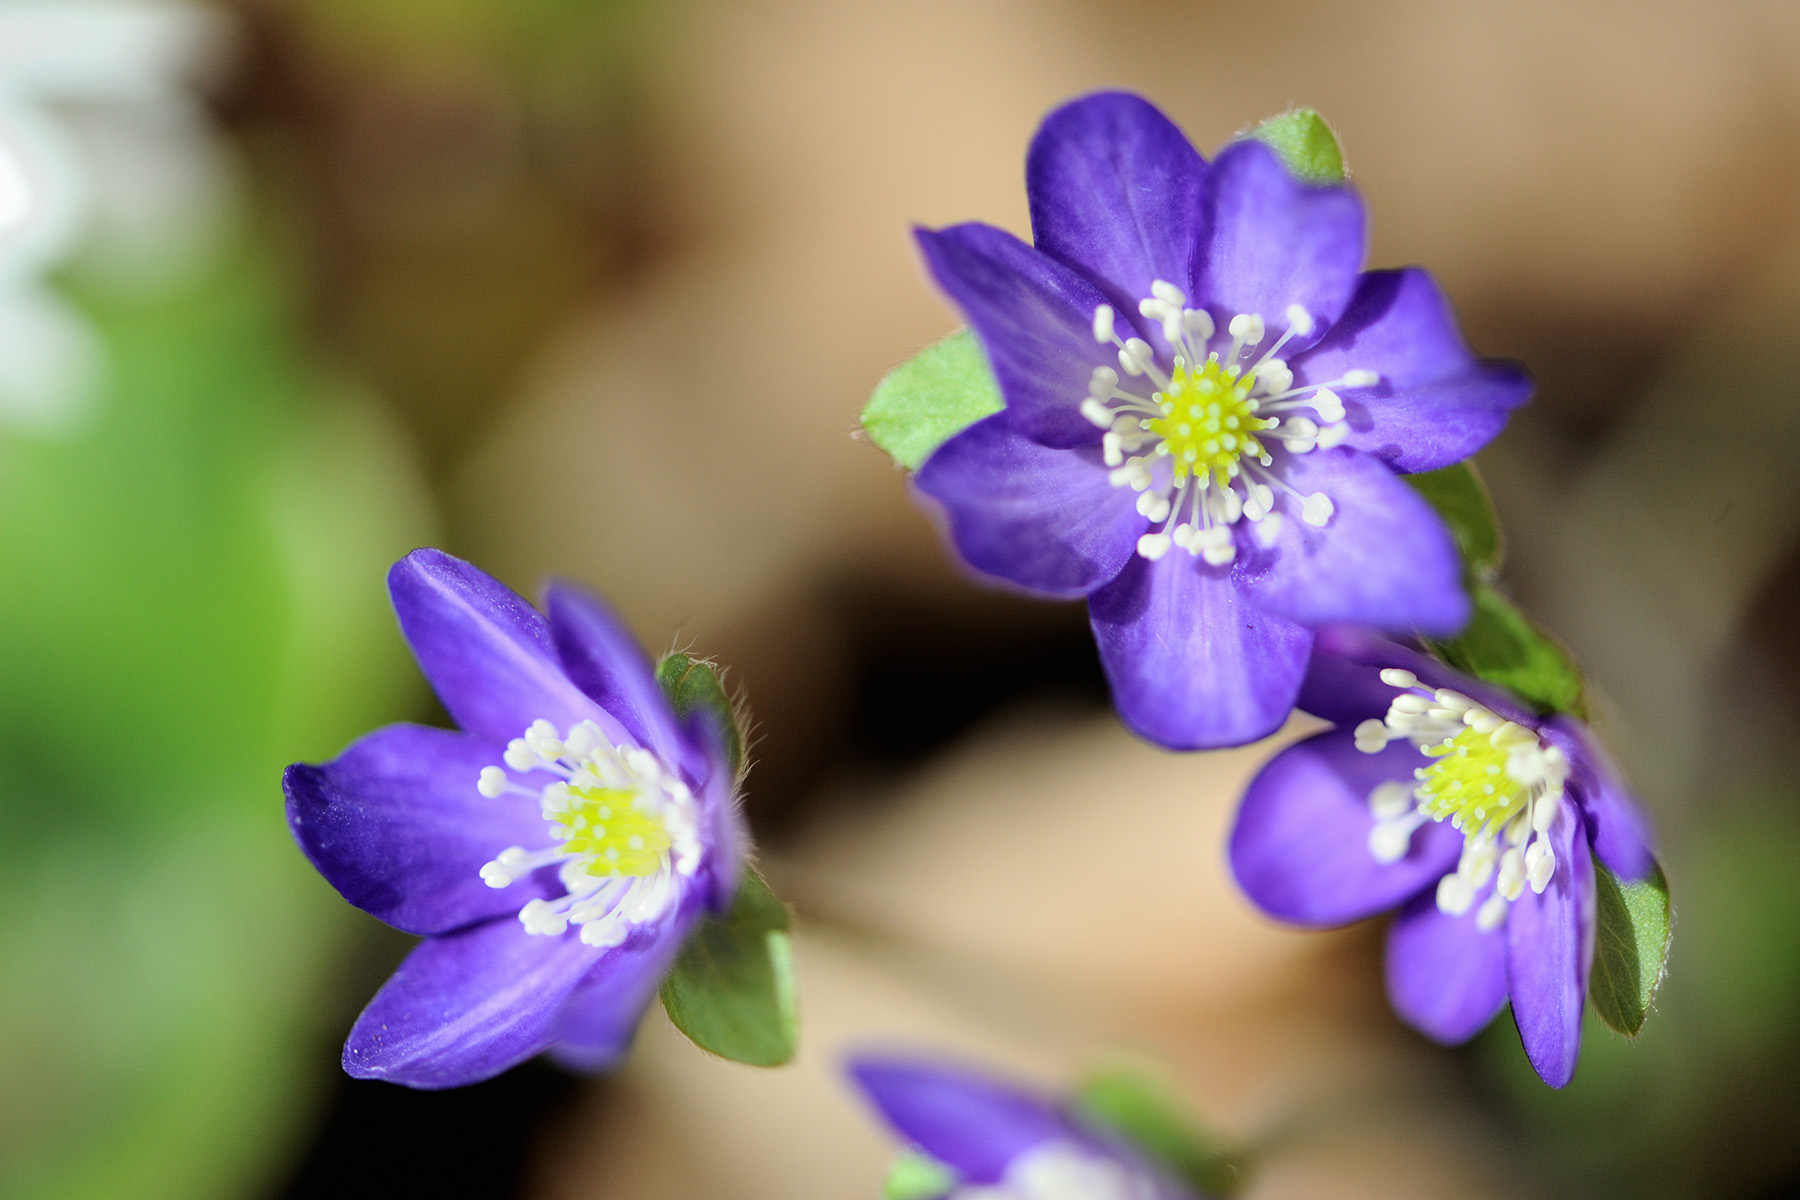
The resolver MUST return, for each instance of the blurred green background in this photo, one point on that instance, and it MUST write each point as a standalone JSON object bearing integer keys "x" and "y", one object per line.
{"x": 596, "y": 287}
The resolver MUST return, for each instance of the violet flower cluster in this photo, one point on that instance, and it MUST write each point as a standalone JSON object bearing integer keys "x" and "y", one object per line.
{"x": 1207, "y": 402}
{"x": 555, "y": 853}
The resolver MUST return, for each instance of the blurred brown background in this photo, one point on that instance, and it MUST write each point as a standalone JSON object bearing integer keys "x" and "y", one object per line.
{"x": 623, "y": 273}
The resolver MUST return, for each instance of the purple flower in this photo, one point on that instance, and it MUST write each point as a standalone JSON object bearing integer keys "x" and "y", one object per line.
{"x": 1206, "y": 404}
{"x": 553, "y": 891}
{"x": 1477, "y": 819}
{"x": 997, "y": 1141}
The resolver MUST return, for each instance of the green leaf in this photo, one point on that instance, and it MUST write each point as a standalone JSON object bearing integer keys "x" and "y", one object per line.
{"x": 1306, "y": 144}
{"x": 733, "y": 990}
{"x": 916, "y": 1176}
{"x": 935, "y": 394}
{"x": 1631, "y": 946}
{"x": 1459, "y": 496}
{"x": 1503, "y": 647}
{"x": 1130, "y": 1104}
{"x": 692, "y": 683}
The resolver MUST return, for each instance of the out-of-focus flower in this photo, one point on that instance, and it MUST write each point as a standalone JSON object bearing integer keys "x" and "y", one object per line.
{"x": 555, "y": 891}
{"x": 988, "y": 1139}
{"x": 1476, "y": 818}
{"x": 103, "y": 149}
{"x": 1192, "y": 360}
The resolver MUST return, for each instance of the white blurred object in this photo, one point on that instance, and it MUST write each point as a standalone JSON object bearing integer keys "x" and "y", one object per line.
{"x": 107, "y": 162}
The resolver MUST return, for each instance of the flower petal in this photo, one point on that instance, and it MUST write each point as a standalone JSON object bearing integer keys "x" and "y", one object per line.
{"x": 1274, "y": 241}
{"x": 1436, "y": 403}
{"x": 1549, "y": 950}
{"x": 485, "y": 650}
{"x": 1383, "y": 557}
{"x": 396, "y": 825}
{"x": 1041, "y": 518}
{"x": 1194, "y": 664}
{"x": 595, "y": 1027}
{"x": 968, "y": 1121}
{"x": 1343, "y": 682}
{"x": 601, "y": 657}
{"x": 1300, "y": 844}
{"x": 1617, "y": 824}
{"x": 1118, "y": 193}
{"x": 1035, "y": 319}
{"x": 465, "y": 1007}
{"x": 1446, "y": 977}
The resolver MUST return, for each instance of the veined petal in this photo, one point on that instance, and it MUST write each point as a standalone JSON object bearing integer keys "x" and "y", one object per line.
{"x": 1117, "y": 192}
{"x": 1549, "y": 951}
{"x": 1041, "y": 518}
{"x": 465, "y": 1007}
{"x": 1273, "y": 241}
{"x": 1617, "y": 824}
{"x": 1445, "y": 976}
{"x": 1035, "y": 319}
{"x": 1383, "y": 559}
{"x": 1300, "y": 844}
{"x": 1193, "y": 663}
{"x": 1435, "y": 403}
{"x": 396, "y": 825}
{"x": 966, "y": 1120}
{"x": 1343, "y": 682}
{"x": 601, "y": 657}
{"x": 597, "y": 1022}
{"x": 485, "y": 650}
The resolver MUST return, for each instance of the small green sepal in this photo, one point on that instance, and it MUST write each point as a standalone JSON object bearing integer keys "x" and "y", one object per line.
{"x": 733, "y": 990}
{"x": 1461, "y": 498}
{"x": 1633, "y": 927}
{"x": 916, "y": 1176}
{"x": 1306, "y": 144}
{"x": 1502, "y": 646}
{"x": 1128, "y": 1103}
{"x": 931, "y": 397}
{"x": 692, "y": 683}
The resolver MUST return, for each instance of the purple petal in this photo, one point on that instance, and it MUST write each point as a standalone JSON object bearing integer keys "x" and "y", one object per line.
{"x": 1384, "y": 558}
{"x": 601, "y": 657}
{"x": 1343, "y": 682}
{"x": 1549, "y": 949}
{"x": 1300, "y": 845}
{"x": 1436, "y": 403}
{"x": 1192, "y": 662}
{"x": 485, "y": 650}
{"x": 966, "y": 1120}
{"x": 1118, "y": 193}
{"x": 1446, "y": 977}
{"x": 1275, "y": 241}
{"x": 1041, "y": 518}
{"x": 1034, "y": 317}
{"x": 395, "y": 824}
{"x": 595, "y": 1027}
{"x": 1617, "y": 824}
{"x": 466, "y": 1006}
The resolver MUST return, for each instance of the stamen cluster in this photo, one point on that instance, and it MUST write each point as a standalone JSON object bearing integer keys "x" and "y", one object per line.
{"x": 1060, "y": 1170}
{"x": 1493, "y": 779}
{"x": 625, "y": 829}
{"x": 1198, "y": 447}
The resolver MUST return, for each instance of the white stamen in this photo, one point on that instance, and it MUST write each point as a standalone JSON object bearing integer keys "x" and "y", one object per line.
{"x": 1247, "y": 328}
{"x": 1168, "y": 293}
{"x": 1103, "y": 324}
{"x": 1396, "y": 677}
{"x": 1333, "y": 435}
{"x": 1454, "y": 895}
{"x": 1358, "y": 379}
{"x": 1317, "y": 509}
{"x": 492, "y": 783}
{"x": 1492, "y": 913}
{"x": 1199, "y": 323}
{"x": 1299, "y": 320}
{"x": 1153, "y": 545}
{"x": 1325, "y": 402}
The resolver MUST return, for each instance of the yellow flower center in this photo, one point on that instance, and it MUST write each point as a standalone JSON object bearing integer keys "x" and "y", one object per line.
{"x": 1208, "y": 420}
{"x": 610, "y": 824}
{"x": 1469, "y": 783}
